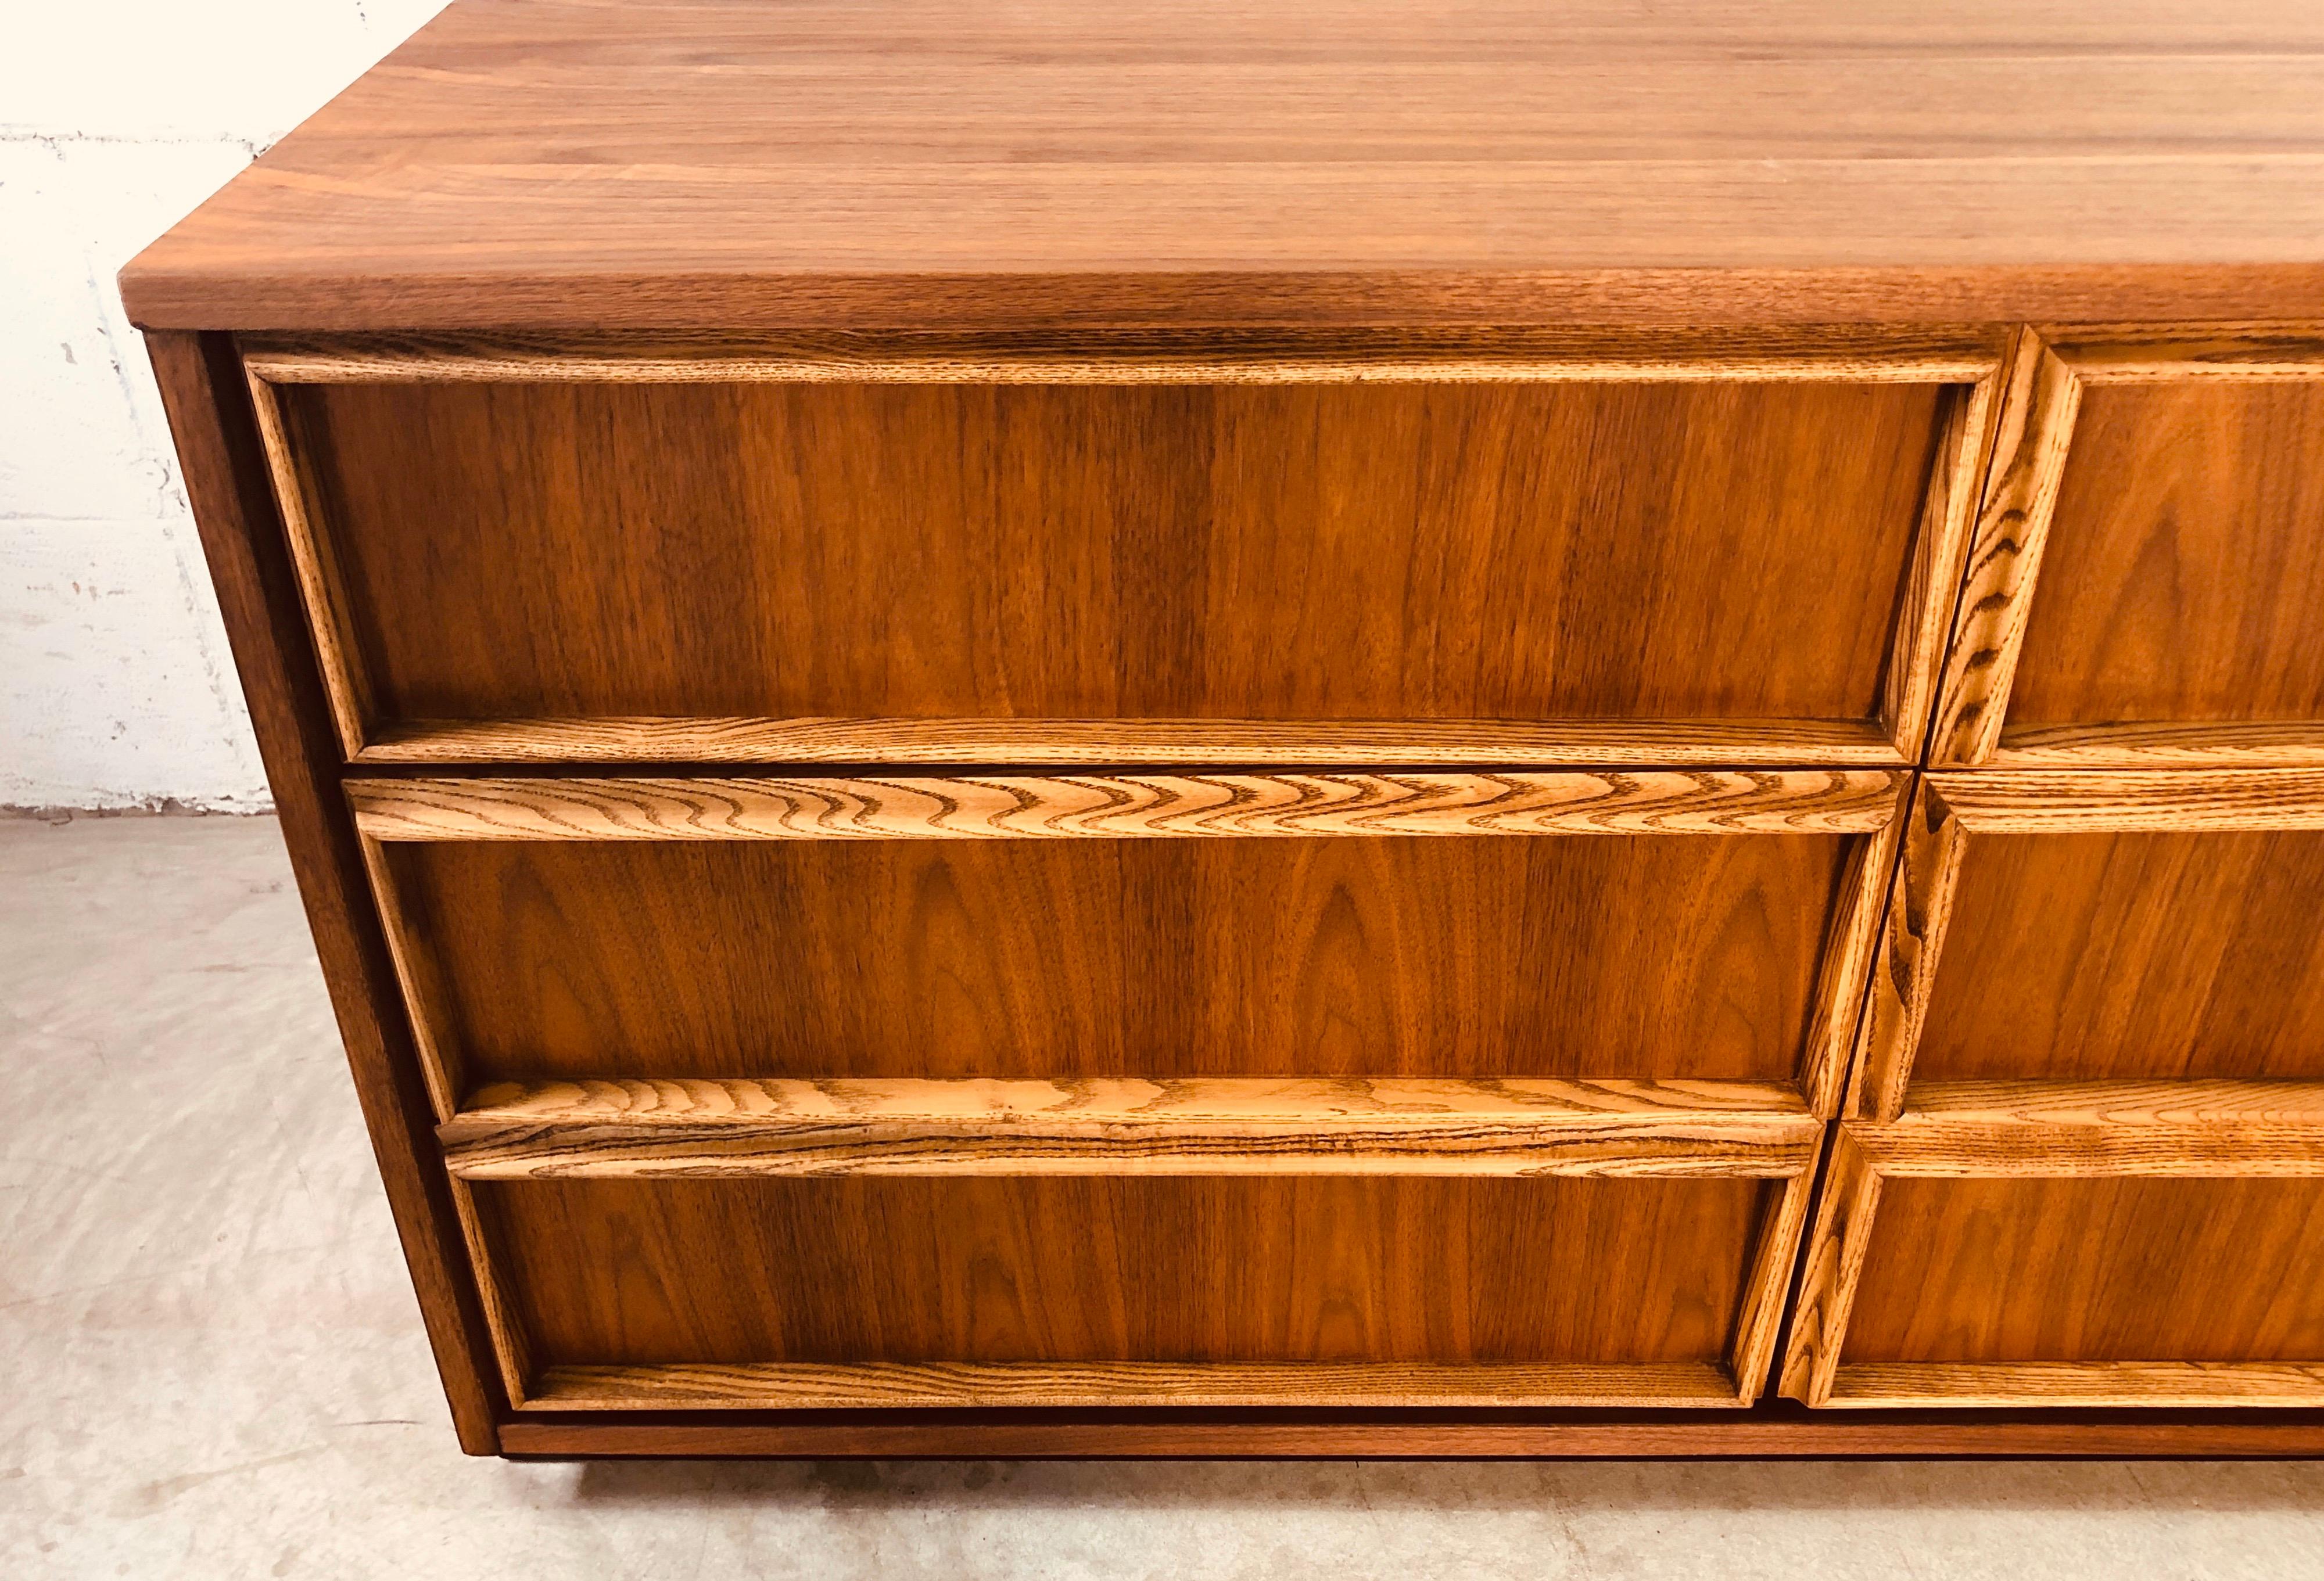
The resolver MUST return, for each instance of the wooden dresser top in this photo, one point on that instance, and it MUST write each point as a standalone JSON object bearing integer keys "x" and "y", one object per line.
{"x": 670, "y": 164}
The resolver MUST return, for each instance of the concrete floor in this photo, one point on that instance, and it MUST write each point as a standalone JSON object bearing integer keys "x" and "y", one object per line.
{"x": 211, "y": 1365}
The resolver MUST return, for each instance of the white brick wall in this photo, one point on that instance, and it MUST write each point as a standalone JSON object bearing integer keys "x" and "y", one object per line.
{"x": 116, "y": 117}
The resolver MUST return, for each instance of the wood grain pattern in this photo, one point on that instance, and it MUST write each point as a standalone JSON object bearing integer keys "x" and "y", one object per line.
{"x": 1911, "y": 950}
{"x": 1777, "y": 743}
{"x": 2126, "y": 800}
{"x": 1851, "y": 952}
{"x": 1744, "y": 296}
{"x": 2036, "y": 426}
{"x": 2133, "y": 353}
{"x": 1940, "y": 556}
{"x": 1335, "y": 426}
{"x": 1678, "y": 956}
{"x": 443, "y": 1067}
{"x": 2092, "y": 1270}
{"x": 2132, "y": 955}
{"x": 223, "y": 464}
{"x": 1214, "y": 1127}
{"x": 2189, "y": 568}
{"x": 1128, "y": 806}
{"x": 1832, "y": 1263}
{"x": 1050, "y": 1269}
{"x": 1465, "y": 553}
{"x": 823, "y": 164}
{"x": 1277, "y": 355}
{"x": 2057, "y": 1243}
{"x": 1758, "y": 1328}
{"x": 322, "y": 584}
{"x": 2068, "y": 897}
{"x": 2071, "y": 1384}
{"x": 512, "y": 1342}
{"x": 956, "y": 1384}
{"x": 2206, "y": 743}
{"x": 1998, "y": 1129}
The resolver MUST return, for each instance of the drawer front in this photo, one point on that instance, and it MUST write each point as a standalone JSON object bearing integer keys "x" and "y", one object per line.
{"x": 1684, "y": 955}
{"x": 2071, "y": 1243}
{"x": 2122, "y": 1270}
{"x": 616, "y": 558}
{"x": 2185, "y": 563}
{"x": 1639, "y": 926}
{"x": 2132, "y": 924}
{"x": 1145, "y": 1289}
{"x": 2132, "y": 955}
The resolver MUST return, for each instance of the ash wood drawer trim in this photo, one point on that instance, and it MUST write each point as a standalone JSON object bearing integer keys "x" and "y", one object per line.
{"x": 2219, "y": 801}
{"x": 1128, "y": 805}
{"x": 2034, "y": 427}
{"x": 1963, "y": 364}
{"x": 794, "y": 1386}
{"x": 2140, "y": 354}
{"x": 322, "y": 587}
{"x": 1772, "y": 743}
{"x": 1951, "y": 808}
{"x": 2280, "y": 745}
{"x": 1223, "y": 1125}
{"x": 2041, "y": 408}
{"x": 1981, "y": 1129}
{"x": 1874, "y": 1384}
{"x": 1853, "y": 355}
{"x": 1986, "y": 1130}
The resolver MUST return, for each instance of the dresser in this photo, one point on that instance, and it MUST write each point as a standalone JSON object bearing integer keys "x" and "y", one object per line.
{"x": 1313, "y": 729}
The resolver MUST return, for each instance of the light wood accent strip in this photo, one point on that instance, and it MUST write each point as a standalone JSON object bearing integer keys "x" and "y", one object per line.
{"x": 2160, "y": 800}
{"x": 935, "y": 1384}
{"x": 1912, "y": 939}
{"x": 1201, "y": 1127}
{"x": 418, "y": 978}
{"x": 1844, "y": 976}
{"x": 2077, "y": 1383}
{"x": 1939, "y": 554}
{"x": 1128, "y": 806}
{"x": 1989, "y": 1129}
{"x": 321, "y": 589}
{"x": 511, "y": 1344}
{"x": 1829, "y": 1273}
{"x": 2290, "y": 744}
{"x": 1869, "y": 355}
{"x": 2245, "y": 354}
{"x": 1758, "y": 1325}
{"x": 2036, "y": 426}
{"x": 1772, "y": 743}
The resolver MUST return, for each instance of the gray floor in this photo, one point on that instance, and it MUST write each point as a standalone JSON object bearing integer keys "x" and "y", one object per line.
{"x": 210, "y": 1365}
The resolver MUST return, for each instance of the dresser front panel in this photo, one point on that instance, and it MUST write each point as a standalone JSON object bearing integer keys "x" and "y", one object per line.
{"x": 1115, "y": 1268}
{"x": 1594, "y": 550}
{"x": 2184, "y": 572}
{"x": 1593, "y": 955}
{"x": 2094, "y": 1269}
{"x": 2130, "y": 955}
